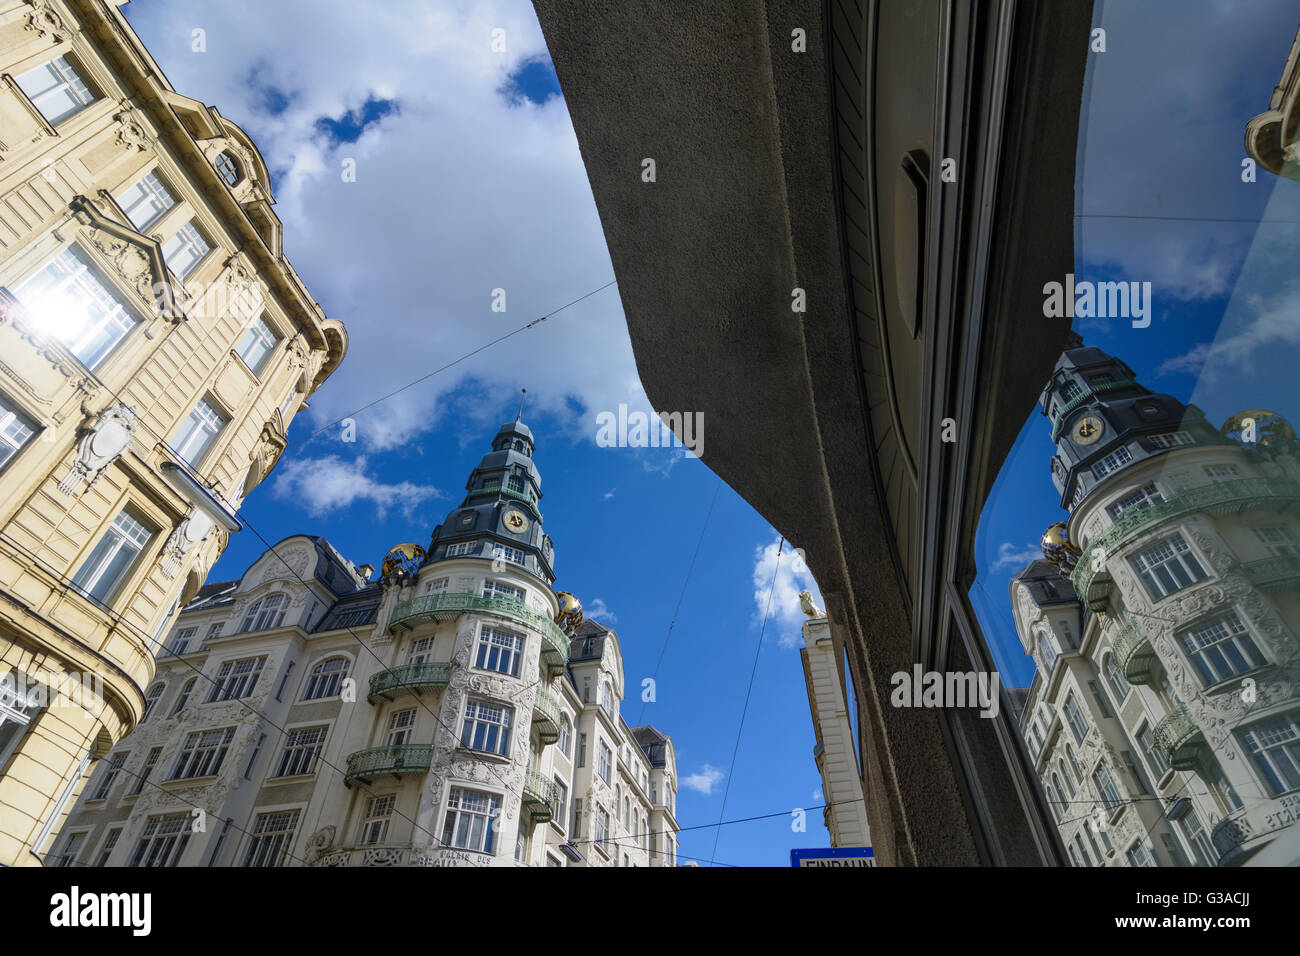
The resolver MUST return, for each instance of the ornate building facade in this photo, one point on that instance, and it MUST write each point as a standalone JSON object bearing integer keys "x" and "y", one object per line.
{"x": 1164, "y": 715}
{"x": 1273, "y": 137}
{"x": 454, "y": 712}
{"x": 154, "y": 345}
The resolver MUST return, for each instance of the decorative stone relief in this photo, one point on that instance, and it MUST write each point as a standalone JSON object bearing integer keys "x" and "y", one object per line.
{"x": 196, "y": 526}
{"x": 132, "y": 131}
{"x": 103, "y": 444}
{"x": 44, "y": 20}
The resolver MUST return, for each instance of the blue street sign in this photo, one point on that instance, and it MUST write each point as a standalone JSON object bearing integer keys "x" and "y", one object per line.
{"x": 843, "y": 856}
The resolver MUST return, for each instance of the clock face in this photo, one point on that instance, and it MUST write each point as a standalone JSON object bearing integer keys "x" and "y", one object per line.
{"x": 1087, "y": 430}
{"x": 516, "y": 522}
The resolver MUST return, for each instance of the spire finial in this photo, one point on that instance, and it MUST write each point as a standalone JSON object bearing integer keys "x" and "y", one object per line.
{"x": 522, "y": 393}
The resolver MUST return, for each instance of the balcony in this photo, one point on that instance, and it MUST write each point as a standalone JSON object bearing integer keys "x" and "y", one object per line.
{"x": 1242, "y": 834}
{"x": 1178, "y": 740}
{"x": 449, "y": 606}
{"x": 1133, "y": 653}
{"x": 1221, "y": 497}
{"x": 1273, "y": 572}
{"x": 546, "y": 717}
{"x": 409, "y": 679}
{"x": 494, "y": 488}
{"x": 539, "y": 796}
{"x": 365, "y": 765}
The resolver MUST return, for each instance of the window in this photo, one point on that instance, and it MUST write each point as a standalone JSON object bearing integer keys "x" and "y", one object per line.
{"x": 214, "y": 632}
{"x": 151, "y": 700}
{"x": 1143, "y": 497}
{"x": 257, "y": 344}
{"x": 1139, "y": 855}
{"x": 374, "y": 826}
{"x": 227, "y": 168}
{"x": 515, "y": 483}
{"x": 236, "y": 679}
{"x": 420, "y": 652}
{"x": 1076, "y": 773}
{"x": 284, "y": 681}
{"x": 566, "y": 736}
{"x": 1193, "y": 831}
{"x": 110, "y": 842}
{"x": 198, "y": 432}
{"x": 163, "y": 841}
{"x": 499, "y": 589}
{"x": 1171, "y": 440}
{"x": 487, "y": 727}
{"x": 521, "y": 845}
{"x": 1107, "y": 788}
{"x": 1047, "y": 652}
{"x": 150, "y": 761}
{"x": 582, "y": 750}
{"x": 561, "y": 803}
{"x": 181, "y": 641}
{"x": 1222, "y": 649}
{"x": 268, "y": 844}
{"x": 145, "y": 200}
{"x": 185, "y": 249}
{"x": 1279, "y": 541}
{"x": 603, "y": 760}
{"x": 17, "y": 711}
{"x": 602, "y": 829}
{"x": 607, "y": 699}
{"x": 57, "y": 89}
{"x": 302, "y": 747}
{"x": 500, "y": 651}
{"x": 462, "y": 548}
{"x": 1167, "y": 567}
{"x": 266, "y": 613}
{"x": 15, "y": 429}
{"x": 1119, "y": 684}
{"x": 1221, "y": 472}
{"x": 1274, "y": 748}
{"x": 112, "y": 559}
{"x": 72, "y": 845}
{"x": 1070, "y": 390}
{"x": 114, "y": 767}
{"x": 326, "y": 678}
{"x": 470, "y": 820}
{"x": 203, "y": 753}
{"x": 1154, "y": 758}
{"x": 1075, "y": 717}
{"x": 400, "y": 726}
{"x": 507, "y": 553}
{"x": 252, "y": 757}
{"x": 1227, "y": 794}
{"x": 68, "y": 301}
{"x": 1135, "y": 771}
{"x": 354, "y": 617}
{"x": 1116, "y": 459}
{"x": 436, "y": 586}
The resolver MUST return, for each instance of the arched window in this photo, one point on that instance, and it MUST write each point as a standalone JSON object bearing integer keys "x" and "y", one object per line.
{"x": 607, "y": 699}
{"x": 566, "y": 735}
{"x": 1074, "y": 764}
{"x": 1065, "y": 775}
{"x": 1119, "y": 685}
{"x": 266, "y": 613}
{"x": 184, "y": 697}
{"x": 151, "y": 699}
{"x": 1060, "y": 793}
{"x": 228, "y": 168}
{"x": 326, "y": 678}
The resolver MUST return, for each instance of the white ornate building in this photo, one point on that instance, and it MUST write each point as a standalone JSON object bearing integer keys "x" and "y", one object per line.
{"x": 1164, "y": 715}
{"x": 438, "y": 716}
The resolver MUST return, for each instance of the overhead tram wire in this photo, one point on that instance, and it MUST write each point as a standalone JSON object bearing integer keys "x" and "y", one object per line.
{"x": 673, "y": 621}
{"x": 467, "y": 355}
{"x": 748, "y": 692}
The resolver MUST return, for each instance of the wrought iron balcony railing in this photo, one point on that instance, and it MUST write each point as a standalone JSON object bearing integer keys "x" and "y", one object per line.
{"x": 1178, "y": 739}
{"x": 1273, "y": 572}
{"x": 364, "y": 765}
{"x": 546, "y": 715}
{"x": 540, "y": 796}
{"x": 1133, "y": 653}
{"x": 448, "y": 606}
{"x": 409, "y": 679}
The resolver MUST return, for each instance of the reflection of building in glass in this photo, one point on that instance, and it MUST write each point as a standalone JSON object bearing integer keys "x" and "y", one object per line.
{"x": 485, "y": 734}
{"x": 1164, "y": 716}
{"x": 1273, "y": 137}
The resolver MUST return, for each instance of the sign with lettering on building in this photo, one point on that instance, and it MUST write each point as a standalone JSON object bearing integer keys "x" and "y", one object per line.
{"x": 840, "y": 856}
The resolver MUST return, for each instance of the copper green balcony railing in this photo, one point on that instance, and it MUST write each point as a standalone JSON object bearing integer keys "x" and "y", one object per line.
{"x": 491, "y": 490}
{"x": 409, "y": 679}
{"x": 546, "y": 716}
{"x": 449, "y": 606}
{"x": 1082, "y": 398}
{"x": 1273, "y": 572}
{"x": 1178, "y": 739}
{"x": 365, "y": 765}
{"x": 539, "y": 796}
{"x": 1133, "y": 653}
{"x": 1221, "y": 497}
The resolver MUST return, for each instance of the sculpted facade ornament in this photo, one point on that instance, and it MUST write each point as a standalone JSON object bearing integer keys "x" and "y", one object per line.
{"x": 132, "y": 131}
{"x": 103, "y": 443}
{"x": 809, "y": 609}
{"x": 196, "y": 526}
{"x": 44, "y": 21}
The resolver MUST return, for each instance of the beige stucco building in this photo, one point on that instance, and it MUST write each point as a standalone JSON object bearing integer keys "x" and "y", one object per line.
{"x": 154, "y": 344}
{"x": 1273, "y": 137}
{"x": 454, "y": 712}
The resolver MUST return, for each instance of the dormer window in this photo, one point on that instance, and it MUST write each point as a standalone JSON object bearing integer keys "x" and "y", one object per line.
{"x": 228, "y": 168}
{"x": 1070, "y": 389}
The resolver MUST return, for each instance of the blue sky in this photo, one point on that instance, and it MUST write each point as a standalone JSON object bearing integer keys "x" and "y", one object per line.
{"x": 468, "y": 180}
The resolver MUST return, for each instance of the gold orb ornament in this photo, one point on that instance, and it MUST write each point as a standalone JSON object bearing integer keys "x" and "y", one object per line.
{"x": 405, "y": 556}
{"x": 1058, "y": 548}
{"x": 1258, "y": 429}
{"x": 570, "y": 615}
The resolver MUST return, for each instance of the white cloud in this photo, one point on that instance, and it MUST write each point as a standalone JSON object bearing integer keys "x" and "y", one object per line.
{"x": 597, "y": 611}
{"x": 458, "y": 192}
{"x": 1269, "y": 323}
{"x": 1009, "y": 557}
{"x": 704, "y": 780}
{"x": 322, "y": 486}
{"x": 609, "y": 494}
{"x": 786, "y": 617}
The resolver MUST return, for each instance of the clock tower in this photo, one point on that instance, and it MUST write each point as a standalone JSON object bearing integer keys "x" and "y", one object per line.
{"x": 500, "y": 516}
{"x": 1103, "y": 421}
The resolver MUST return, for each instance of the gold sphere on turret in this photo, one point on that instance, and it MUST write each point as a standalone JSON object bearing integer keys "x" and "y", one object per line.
{"x": 570, "y": 614}
{"x": 1058, "y": 548}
